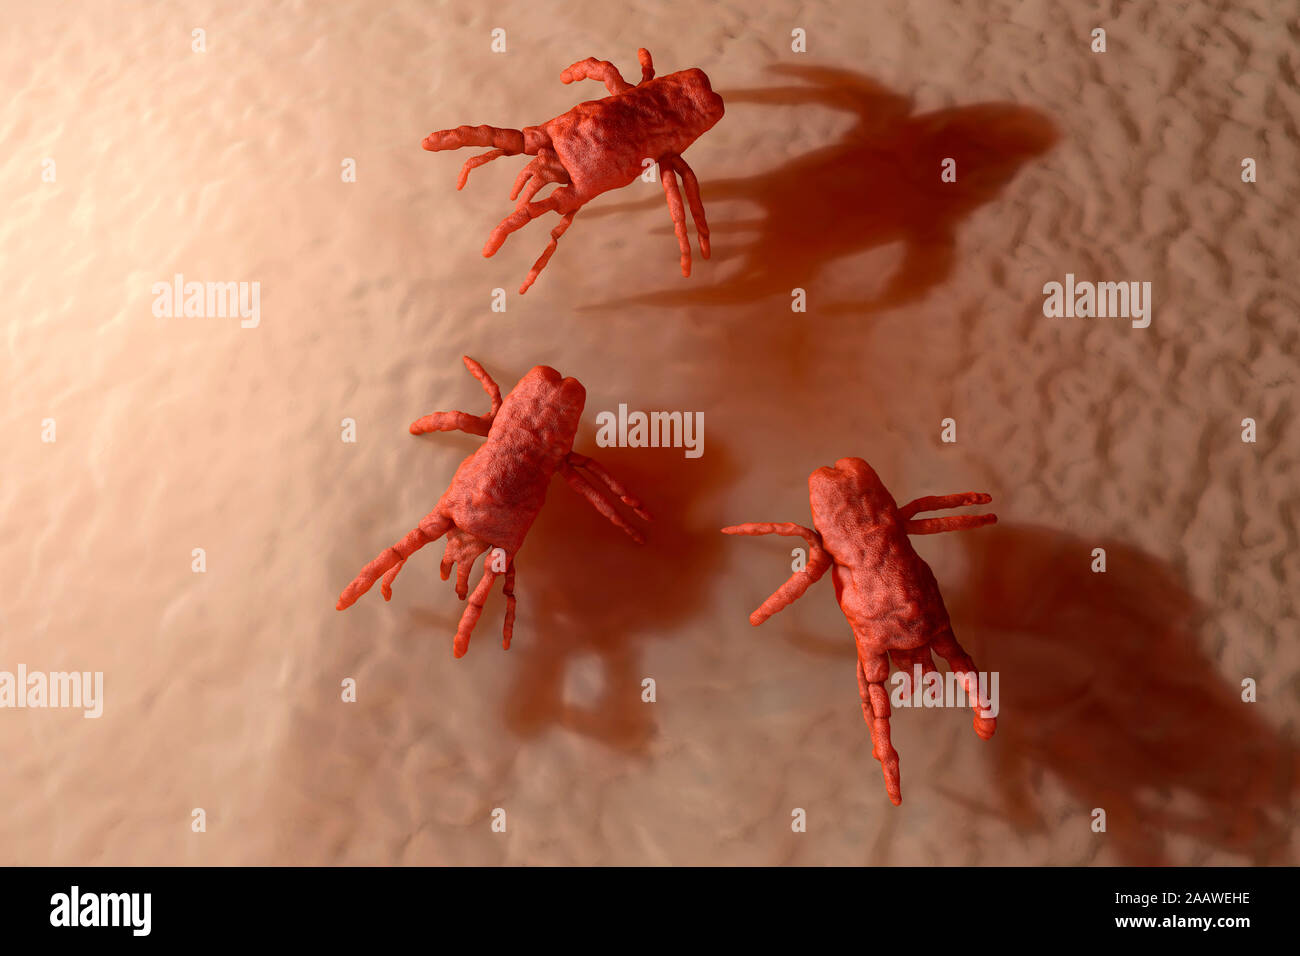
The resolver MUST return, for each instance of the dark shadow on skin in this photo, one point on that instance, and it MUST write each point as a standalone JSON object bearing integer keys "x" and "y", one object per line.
{"x": 877, "y": 185}
{"x": 592, "y": 591}
{"x": 1104, "y": 688}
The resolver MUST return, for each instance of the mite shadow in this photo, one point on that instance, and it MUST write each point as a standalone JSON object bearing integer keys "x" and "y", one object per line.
{"x": 599, "y": 596}
{"x": 1105, "y": 688}
{"x": 878, "y": 184}
{"x": 589, "y": 597}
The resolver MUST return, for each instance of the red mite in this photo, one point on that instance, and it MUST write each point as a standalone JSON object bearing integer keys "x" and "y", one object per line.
{"x": 886, "y": 591}
{"x": 499, "y": 490}
{"x": 601, "y": 145}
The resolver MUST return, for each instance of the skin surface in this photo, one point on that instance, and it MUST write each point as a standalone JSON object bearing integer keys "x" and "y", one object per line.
{"x": 600, "y": 145}
{"x": 498, "y": 491}
{"x": 886, "y": 591}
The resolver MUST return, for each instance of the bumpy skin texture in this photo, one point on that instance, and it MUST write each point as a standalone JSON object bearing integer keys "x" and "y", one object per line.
{"x": 498, "y": 491}
{"x": 887, "y": 593}
{"x": 600, "y": 145}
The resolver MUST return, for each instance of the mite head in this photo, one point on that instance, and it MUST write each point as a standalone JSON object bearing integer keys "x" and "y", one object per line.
{"x": 699, "y": 107}
{"x": 849, "y": 499}
{"x": 552, "y": 399}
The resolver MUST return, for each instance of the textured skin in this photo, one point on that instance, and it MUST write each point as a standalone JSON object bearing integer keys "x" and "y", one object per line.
{"x": 887, "y": 593}
{"x": 601, "y": 145}
{"x": 498, "y": 491}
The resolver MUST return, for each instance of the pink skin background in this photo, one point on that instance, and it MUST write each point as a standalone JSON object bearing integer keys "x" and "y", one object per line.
{"x": 1119, "y": 691}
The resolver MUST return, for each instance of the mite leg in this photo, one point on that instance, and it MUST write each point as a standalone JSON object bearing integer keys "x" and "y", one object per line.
{"x": 462, "y": 550}
{"x": 583, "y": 486}
{"x": 463, "y": 421}
{"x": 509, "y": 141}
{"x": 508, "y": 631}
{"x": 593, "y": 466}
{"x": 906, "y": 661}
{"x": 549, "y": 251}
{"x": 473, "y": 611}
{"x": 493, "y": 390}
{"x": 564, "y": 200}
{"x": 647, "y": 65}
{"x": 546, "y": 168}
{"x": 939, "y": 525}
{"x": 793, "y": 589}
{"x": 534, "y": 183}
{"x": 945, "y": 645}
{"x": 593, "y": 69}
{"x": 799, "y": 582}
{"x": 386, "y": 585}
{"x": 431, "y": 528}
{"x": 875, "y": 711}
{"x": 675, "y": 208}
{"x": 451, "y": 422}
{"x": 475, "y": 163}
{"x": 939, "y": 502}
{"x": 692, "y": 186}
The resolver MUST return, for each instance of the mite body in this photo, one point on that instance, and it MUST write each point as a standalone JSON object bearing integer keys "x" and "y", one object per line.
{"x": 661, "y": 117}
{"x": 887, "y": 592}
{"x": 600, "y": 145}
{"x": 498, "y": 491}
